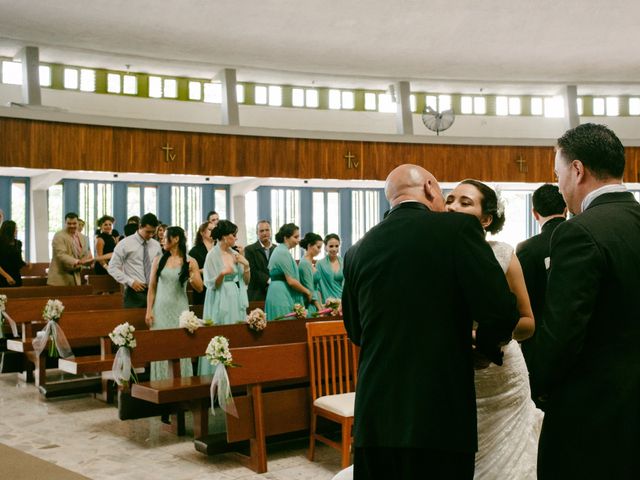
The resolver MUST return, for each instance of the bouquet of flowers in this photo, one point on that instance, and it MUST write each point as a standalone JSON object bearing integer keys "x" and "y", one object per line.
{"x": 59, "y": 346}
{"x": 219, "y": 355}
{"x": 3, "y": 302}
{"x": 53, "y": 310}
{"x": 122, "y": 337}
{"x": 335, "y": 304}
{"x": 189, "y": 320}
{"x": 298, "y": 312}
{"x": 257, "y": 320}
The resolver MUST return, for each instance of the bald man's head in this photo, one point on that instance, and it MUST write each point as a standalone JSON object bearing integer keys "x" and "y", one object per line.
{"x": 413, "y": 183}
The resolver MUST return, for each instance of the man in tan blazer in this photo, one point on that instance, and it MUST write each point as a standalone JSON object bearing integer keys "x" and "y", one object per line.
{"x": 69, "y": 254}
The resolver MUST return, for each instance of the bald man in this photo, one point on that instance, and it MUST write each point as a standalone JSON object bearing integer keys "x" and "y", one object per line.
{"x": 413, "y": 286}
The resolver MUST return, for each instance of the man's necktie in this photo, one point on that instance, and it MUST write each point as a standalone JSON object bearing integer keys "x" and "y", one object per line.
{"x": 145, "y": 261}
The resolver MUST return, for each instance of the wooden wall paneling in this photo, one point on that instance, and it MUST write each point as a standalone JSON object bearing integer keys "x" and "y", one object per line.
{"x": 39, "y": 144}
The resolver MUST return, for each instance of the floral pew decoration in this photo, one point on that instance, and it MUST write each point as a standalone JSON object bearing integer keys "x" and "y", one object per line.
{"x": 190, "y": 321}
{"x": 59, "y": 345}
{"x": 257, "y": 320}
{"x": 3, "y": 307}
{"x": 122, "y": 337}
{"x": 219, "y": 355}
{"x": 298, "y": 312}
{"x": 332, "y": 307}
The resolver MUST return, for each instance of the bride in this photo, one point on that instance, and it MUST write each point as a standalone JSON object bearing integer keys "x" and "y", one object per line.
{"x": 508, "y": 421}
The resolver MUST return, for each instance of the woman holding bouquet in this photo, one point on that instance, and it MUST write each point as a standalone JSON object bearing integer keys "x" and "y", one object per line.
{"x": 312, "y": 244}
{"x": 329, "y": 268}
{"x": 508, "y": 421}
{"x": 226, "y": 276}
{"x": 167, "y": 295}
{"x": 285, "y": 289}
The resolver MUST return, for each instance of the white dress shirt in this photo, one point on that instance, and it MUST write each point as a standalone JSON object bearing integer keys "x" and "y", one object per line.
{"x": 126, "y": 264}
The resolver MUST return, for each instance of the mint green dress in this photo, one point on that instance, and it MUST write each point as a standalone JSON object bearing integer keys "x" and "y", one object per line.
{"x": 309, "y": 279}
{"x": 226, "y": 304}
{"x": 171, "y": 300}
{"x": 329, "y": 282}
{"x": 280, "y": 296}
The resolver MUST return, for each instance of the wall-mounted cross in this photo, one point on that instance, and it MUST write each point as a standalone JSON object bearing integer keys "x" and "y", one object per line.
{"x": 168, "y": 157}
{"x": 351, "y": 160}
{"x": 522, "y": 165}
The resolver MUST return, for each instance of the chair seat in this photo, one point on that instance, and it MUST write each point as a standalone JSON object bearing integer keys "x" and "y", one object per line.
{"x": 341, "y": 404}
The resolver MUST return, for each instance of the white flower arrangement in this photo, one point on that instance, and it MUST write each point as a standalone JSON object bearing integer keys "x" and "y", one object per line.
{"x": 335, "y": 304}
{"x": 218, "y": 352}
{"x": 53, "y": 310}
{"x": 122, "y": 335}
{"x": 257, "y": 320}
{"x": 3, "y": 302}
{"x": 299, "y": 310}
{"x": 189, "y": 320}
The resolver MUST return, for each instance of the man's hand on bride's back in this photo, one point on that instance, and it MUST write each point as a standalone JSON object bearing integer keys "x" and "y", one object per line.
{"x": 479, "y": 360}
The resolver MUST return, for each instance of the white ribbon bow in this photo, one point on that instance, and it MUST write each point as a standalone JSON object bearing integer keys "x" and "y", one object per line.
{"x": 221, "y": 390}
{"x": 122, "y": 366}
{"x": 58, "y": 338}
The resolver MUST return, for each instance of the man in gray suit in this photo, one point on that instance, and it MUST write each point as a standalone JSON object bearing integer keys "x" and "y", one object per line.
{"x": 586, "y": 360}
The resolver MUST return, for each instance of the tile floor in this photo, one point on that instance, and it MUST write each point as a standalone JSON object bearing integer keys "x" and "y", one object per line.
{"x": 85, "y": 435}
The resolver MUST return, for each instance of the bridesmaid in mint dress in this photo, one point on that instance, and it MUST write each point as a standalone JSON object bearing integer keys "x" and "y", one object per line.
{"x": 312, "y": 244}
{"x": 167, "y": 294}
{"x": 285, "y": 289}
{"x": 329, "y": 268}
{"x": 226, "y": 276}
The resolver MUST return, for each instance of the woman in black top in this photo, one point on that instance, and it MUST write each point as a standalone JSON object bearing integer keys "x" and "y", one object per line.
{"x": 105, "y": 243}
{"x": 10, "y": 256}
{"x": 203, "y": 244}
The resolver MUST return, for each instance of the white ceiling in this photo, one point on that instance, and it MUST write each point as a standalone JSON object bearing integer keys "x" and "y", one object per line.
{"x": 518, "y": 46}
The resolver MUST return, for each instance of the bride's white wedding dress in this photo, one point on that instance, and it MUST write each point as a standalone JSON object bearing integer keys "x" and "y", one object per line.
{"x": 508, "y": 421}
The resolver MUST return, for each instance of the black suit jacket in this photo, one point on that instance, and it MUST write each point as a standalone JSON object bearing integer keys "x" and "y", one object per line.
{"x": 257, "y": 289}
{"x": 413, "y": 285}
{"x": 587, "y": 348}
{"x": 532, "y": 254}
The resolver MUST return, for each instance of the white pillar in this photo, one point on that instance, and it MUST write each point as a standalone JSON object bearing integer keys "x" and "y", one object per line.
{"x": 404, "y": 121}
{"x": 570, "y": 95}
{"x": 30, "y": 58}
{"x": 39, "y": 214}
{"x": 229, "y": 107}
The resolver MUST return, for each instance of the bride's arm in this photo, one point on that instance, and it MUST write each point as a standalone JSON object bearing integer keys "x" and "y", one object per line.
{"x": 526, "y": 325}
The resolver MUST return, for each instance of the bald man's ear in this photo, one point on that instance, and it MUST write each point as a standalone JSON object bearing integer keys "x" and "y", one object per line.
{"x": 435, "y": 200}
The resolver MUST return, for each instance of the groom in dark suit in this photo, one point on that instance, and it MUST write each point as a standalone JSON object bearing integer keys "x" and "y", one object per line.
{"x": 413, "y": 286}
{"x": 549, "y": 210}
{"x": 586, "y": 362}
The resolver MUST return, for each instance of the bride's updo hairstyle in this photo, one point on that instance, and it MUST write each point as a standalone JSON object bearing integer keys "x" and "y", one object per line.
{"x": 224, "y": 227}
{"x": 490, "y": 205}
{"x": 310, "y": 239}
{"x": 286, "y": 231}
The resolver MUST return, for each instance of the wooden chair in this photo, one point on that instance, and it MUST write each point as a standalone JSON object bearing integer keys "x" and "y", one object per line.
{"x": 333, "y": 363}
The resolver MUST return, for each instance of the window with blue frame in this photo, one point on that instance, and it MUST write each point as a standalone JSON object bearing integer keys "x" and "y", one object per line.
{"x": 186, "y": 209}
{"x": 55, "y": 201}
{"x": 365, "y": 212}
{"x": 94, "y": 201}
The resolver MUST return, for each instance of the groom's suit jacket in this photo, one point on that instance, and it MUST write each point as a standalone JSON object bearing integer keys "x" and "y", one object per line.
{"x": 532, "y": 254}
{"x": 413, "y": 285}
{"x": 586, "y": 359}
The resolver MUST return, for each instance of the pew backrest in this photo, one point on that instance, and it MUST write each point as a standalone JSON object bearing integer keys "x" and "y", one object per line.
{"x": 48, "y": 291}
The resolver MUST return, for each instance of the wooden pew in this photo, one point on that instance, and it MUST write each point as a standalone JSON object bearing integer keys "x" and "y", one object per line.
{"x": 261, "y": 412}
{"x": 36, "y": 269}
{"x": 21, "y": 312}
{"x": 103, "y": 284}
{"x": 82, "y": 329}
{"x": 34, "y": 281}
{"x": 46, "y": 291}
